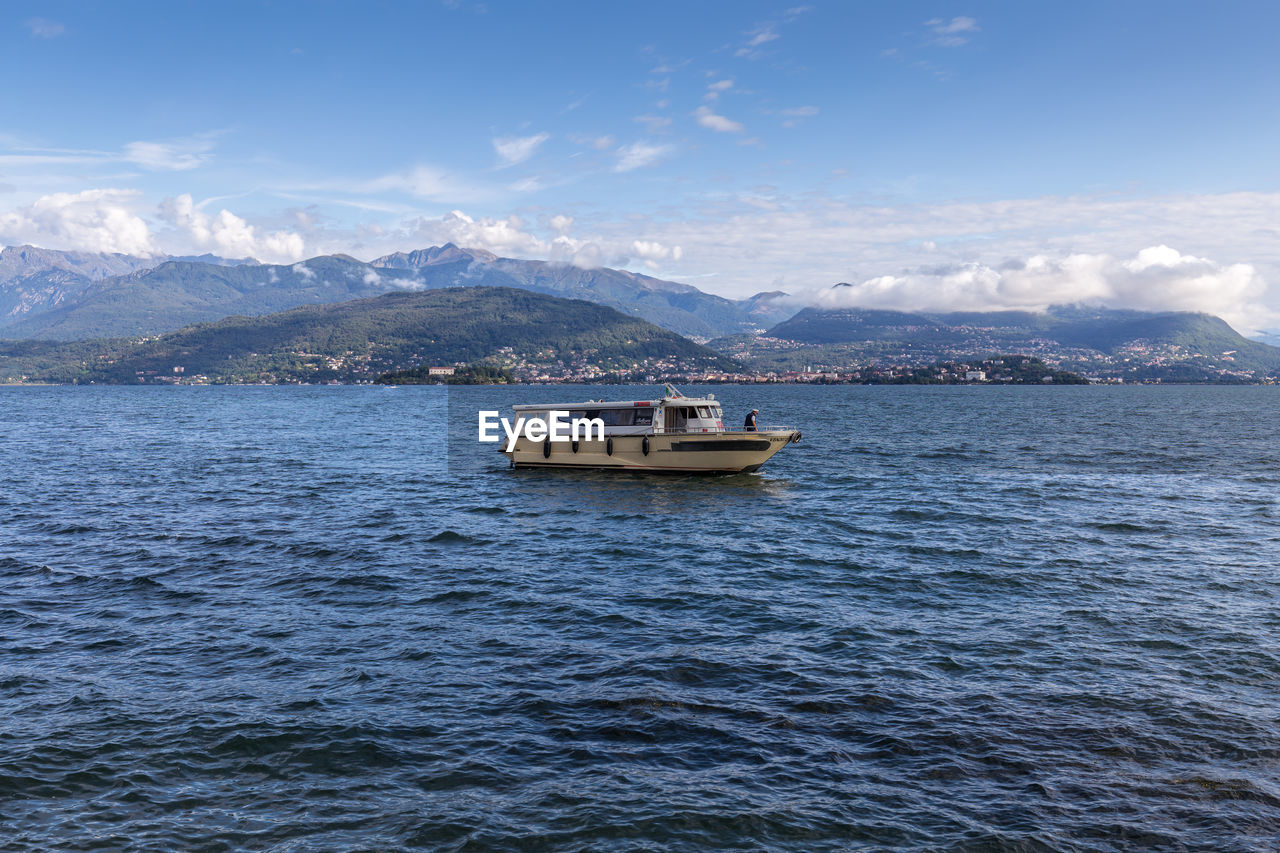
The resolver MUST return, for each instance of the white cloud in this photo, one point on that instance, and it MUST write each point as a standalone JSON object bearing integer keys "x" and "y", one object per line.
{"x": 709, "y": 119}
{"x": 371, "y": 277}
{"x": 422, "y": 181}
{"x": 561, "y": 224}
{"x": 304, "y": 271}
{"x": 669, "y": 66}
{"x": 760, "y": 35}
{"x": 176, "y": 155}
{"x": 767, "y": 32}
{"x": 588, "y": 256}
{"x": 956, "y": 25}
{"x": 500, "y": 236}
{"x": 1157, "y": 278}
{"x": 951, "y": 33}
{"x": 91, "y": 221}
{"x": 639, "y": 154}
{"x": 44, "y": 28}
{"x": 516, "y": 149}
{"x": 651, "y": 252}
{"x": 229, "y": 235}
{"x": 167, "y": 155}
{"x": 1161, "y": 256}
{"x": 716, "y": 89}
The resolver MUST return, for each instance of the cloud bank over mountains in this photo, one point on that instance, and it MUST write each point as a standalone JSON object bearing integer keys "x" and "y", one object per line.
{"x": 1157, "y": 278}
{"x": 1210, "y": 253}
{"x": 108, "y": 220}
{"x": 228, "y": 235}
{"x": 91, "y": 221}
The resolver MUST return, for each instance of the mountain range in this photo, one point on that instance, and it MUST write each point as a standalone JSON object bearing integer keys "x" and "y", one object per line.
{"x": 77, "y": 295}
{"x": 70, "y": 296}
{"x": 35, "y": 281}
{"x": 361, "y": 339}
{"x": 681, "y": 308}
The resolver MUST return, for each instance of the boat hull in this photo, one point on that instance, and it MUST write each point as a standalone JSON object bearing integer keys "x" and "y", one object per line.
{"x": 706, "y": 453}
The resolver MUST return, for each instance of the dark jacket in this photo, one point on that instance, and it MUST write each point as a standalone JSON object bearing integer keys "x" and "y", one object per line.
{"x": 750, "y": 425}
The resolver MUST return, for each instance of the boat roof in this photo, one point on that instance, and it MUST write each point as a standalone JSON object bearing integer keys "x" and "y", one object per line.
{"x": 621, "y": 404}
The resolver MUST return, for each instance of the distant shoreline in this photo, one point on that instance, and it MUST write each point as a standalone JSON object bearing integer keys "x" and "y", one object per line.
{"x": 1253, "y": 384}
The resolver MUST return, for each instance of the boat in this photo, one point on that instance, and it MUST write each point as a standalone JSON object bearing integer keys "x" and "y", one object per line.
{"x": 673, "y": 434}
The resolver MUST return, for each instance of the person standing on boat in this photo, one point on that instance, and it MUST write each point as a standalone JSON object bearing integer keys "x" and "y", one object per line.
{"x": 750, "y": 425}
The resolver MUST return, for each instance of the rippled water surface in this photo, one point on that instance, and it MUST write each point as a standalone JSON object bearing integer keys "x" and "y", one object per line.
{"x": 951, "y": 618}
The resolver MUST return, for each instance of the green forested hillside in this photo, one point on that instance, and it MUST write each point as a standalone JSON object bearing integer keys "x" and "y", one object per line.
{"x": 1200, "y": 333}
{"x": 846, "y": 325}
{"x": 365, "y": 338}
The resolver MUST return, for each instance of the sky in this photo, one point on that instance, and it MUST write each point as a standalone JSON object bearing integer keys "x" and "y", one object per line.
{"x": 935, "y": 155}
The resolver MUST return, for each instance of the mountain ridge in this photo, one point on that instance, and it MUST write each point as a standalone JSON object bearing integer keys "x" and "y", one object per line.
{"x": 79, "y": 295}
{"x": 358, "y": 340}
{"x": 177, "y": 293}
{"x": 680, "y": 307}
{"x": 151, "y": 296}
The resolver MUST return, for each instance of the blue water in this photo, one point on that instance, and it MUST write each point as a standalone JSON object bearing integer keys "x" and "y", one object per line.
{"x": 949, "y": 619}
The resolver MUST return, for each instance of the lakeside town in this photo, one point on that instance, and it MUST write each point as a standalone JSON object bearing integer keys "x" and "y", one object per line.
{"x": 202, "y": 357}
{"x": 996, "y": 370}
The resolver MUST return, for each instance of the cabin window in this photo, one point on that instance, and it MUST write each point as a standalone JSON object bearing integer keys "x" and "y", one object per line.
{"x": 615, "y": 417}
{"x": 704, "y": 412}
{"x": 644, "y": 417}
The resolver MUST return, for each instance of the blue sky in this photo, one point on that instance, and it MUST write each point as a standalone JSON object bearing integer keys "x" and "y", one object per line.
{"x": 927, "y": 152}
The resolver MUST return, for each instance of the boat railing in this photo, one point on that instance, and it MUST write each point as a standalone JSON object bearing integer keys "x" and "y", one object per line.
{"x": 706, "y": 431}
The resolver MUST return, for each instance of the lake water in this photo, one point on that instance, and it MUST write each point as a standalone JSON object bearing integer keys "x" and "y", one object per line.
{"x": 951, "y": 618}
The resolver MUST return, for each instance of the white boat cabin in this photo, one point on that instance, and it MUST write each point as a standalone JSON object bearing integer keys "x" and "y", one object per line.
{"x": 640, "y": 417}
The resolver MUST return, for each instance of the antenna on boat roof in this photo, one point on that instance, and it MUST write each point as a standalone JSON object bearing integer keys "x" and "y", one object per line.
{"x": 671, "y": 390}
